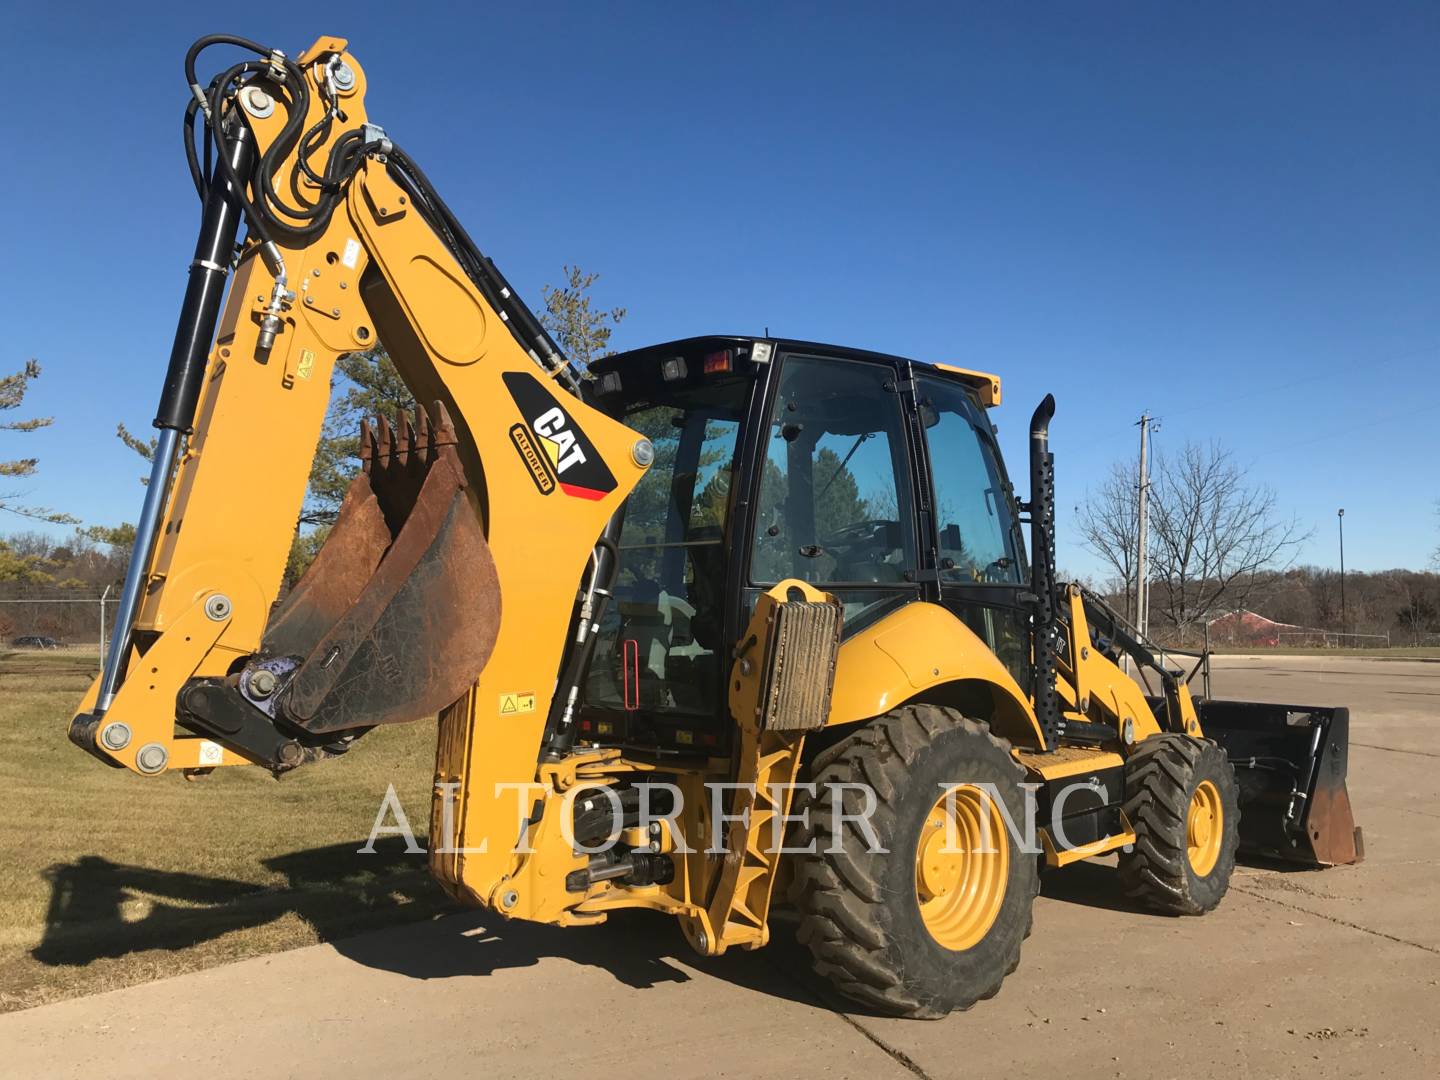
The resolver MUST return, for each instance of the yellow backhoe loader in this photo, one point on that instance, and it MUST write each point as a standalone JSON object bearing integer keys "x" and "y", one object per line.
{"x": 710, "y": 625}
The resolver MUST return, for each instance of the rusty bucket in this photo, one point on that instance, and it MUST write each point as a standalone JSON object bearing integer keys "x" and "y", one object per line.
{"x": 399, "y": 611}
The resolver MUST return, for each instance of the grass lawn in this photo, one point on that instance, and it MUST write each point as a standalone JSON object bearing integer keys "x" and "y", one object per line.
{"x": 109, "y": 879}
{"x": 1409, "y": 652}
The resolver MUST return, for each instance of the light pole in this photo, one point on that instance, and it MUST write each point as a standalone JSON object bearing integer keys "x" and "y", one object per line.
{"x": 1147, "y": 424}
{"x": 1341, "y": 517}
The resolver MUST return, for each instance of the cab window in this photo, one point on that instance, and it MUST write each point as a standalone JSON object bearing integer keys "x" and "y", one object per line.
{"x": 834, "y": 505}
{"x": 976, "y": 542}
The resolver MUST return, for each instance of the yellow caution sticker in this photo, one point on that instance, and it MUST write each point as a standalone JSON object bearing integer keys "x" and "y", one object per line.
{"x": 512, "y": 704}
{"x": 307, "y": 364}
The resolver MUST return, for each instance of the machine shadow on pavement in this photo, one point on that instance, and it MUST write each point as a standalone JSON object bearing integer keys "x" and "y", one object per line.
{"x": 96, "y": 911}
{"x": 101, "y": 909}
{"x": 1096, "y": 884}
{"x": 1091, "y": 884}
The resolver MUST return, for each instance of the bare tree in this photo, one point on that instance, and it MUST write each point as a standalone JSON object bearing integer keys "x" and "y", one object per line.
{"x": 1216, "y": 537}
{"x": 1109, "y": 524}
{"x": 1323, "y": 591}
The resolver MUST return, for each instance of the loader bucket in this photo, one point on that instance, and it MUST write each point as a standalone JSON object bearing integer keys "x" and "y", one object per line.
{"x": 1290, "y": 762}
{"x": 400, "y": 609}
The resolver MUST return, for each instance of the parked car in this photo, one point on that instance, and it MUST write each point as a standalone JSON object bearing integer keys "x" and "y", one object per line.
{"x": 35, "y": 642}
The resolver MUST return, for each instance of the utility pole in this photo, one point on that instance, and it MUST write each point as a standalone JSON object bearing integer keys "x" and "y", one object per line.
{"x": 1341, "y": 516}
{"x": 1142, "y": 590}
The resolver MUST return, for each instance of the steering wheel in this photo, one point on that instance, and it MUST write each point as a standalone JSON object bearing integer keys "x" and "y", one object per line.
{"x": 856, "y": 533}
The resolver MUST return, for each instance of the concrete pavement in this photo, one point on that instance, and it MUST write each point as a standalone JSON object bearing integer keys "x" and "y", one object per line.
{"x": 1315, "y": 974}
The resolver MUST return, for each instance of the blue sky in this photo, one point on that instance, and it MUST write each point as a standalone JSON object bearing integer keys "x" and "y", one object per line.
{"x": 1224, "y": 214}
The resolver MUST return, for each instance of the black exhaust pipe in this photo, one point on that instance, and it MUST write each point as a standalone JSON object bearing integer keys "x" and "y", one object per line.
{"x": 1042, "y": 572}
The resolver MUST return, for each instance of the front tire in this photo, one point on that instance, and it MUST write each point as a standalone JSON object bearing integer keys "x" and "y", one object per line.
{"x": 1183, "y": 802}
{"x": 921, "y": 927}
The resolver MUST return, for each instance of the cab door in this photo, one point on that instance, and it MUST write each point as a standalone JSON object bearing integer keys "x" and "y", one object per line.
{"x": 979, "y": 559}
{"x": 832, "y": 503}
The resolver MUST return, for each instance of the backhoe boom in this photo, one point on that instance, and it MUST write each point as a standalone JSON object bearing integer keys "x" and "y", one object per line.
{"x": 453, "y": 511}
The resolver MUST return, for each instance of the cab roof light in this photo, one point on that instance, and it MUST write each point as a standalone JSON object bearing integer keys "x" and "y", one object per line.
{"x": 610, "y": 382}
{"x": 984, "y": 383}
{"x": 719, "y": 361}
{"x": 673, "y": 369}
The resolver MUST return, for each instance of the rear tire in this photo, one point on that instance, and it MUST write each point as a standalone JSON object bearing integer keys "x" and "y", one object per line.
{"x": 1183, "y": 802}
{"x": 861, "y": 911}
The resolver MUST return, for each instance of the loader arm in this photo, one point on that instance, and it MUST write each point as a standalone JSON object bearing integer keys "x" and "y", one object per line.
{"x": 453, "y": 569}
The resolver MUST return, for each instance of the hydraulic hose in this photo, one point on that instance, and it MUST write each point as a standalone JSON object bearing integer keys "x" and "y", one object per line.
{"x": 272, "y": 219}
{"x": 483, "y": 272}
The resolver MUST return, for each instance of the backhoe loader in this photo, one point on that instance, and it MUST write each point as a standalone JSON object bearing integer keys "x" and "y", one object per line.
{"x": 709, "y": 627}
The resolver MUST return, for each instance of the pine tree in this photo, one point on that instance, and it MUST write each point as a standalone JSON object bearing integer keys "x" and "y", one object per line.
{"x": 12, "y": 395}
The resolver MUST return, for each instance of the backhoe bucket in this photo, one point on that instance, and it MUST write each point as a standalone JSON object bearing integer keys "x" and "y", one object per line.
{"x": 1290, "y": 762}
{"x": 400, "y": 609}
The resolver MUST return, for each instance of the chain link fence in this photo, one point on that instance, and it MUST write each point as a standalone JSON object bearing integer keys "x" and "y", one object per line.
{"x": 79, "y": 624}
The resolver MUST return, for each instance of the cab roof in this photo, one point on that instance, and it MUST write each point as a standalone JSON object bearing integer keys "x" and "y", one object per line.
{"x": 986, "y": 384}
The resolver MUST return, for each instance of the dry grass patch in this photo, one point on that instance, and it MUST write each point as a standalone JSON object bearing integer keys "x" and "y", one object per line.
{"x": 109, "y": 879}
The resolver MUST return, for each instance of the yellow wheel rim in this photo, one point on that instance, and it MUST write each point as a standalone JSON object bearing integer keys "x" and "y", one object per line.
{"x": 962, "y": 865}
{"x": 1204, "y": 825}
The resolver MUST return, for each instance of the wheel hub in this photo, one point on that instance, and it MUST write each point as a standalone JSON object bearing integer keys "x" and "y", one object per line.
{"x": 1204, "y": 828}
{"x": 939, "y": 870}
{"x": 962, "y": 863}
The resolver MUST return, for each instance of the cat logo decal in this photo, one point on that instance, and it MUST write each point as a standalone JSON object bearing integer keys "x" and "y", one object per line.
{"x": 555, "y": 451}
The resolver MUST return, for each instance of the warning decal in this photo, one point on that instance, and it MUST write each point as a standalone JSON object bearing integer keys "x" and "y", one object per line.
{"x": 512, "y": 704}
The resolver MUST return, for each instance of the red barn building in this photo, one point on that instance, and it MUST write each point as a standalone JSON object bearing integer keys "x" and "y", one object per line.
{"x": 1247, "y": 628}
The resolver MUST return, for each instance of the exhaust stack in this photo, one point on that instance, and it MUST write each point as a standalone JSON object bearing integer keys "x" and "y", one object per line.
{"x": 1042, "y": 571}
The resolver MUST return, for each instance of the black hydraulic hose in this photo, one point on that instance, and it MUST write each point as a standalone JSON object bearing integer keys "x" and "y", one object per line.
{"x": 318, "y": 133}
{"x": 261, "y": 211}
{"x": 201, "y": 44}
{"x": 226, "y": 166}
{"x": 486, "y": 276}
{"x": 560, "y": 727}
{"x": 266, "y": 213}
{"x": 192, "y": 158}
{"x": 284, "y": 143}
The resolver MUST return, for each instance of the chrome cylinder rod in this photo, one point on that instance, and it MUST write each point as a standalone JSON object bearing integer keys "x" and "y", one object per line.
{"x": 145, "y": 534}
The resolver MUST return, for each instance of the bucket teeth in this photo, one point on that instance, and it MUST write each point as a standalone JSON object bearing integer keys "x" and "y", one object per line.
{"x": 400, "y": 609}
{"x": 422, "y": 435}
{"x": 404, "y": 438}
{"x": 401, "y": 444}
{"x": 384, "y": 443}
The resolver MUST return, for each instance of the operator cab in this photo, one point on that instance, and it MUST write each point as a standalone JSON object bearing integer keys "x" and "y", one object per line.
{"x": 786, "y": 459}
